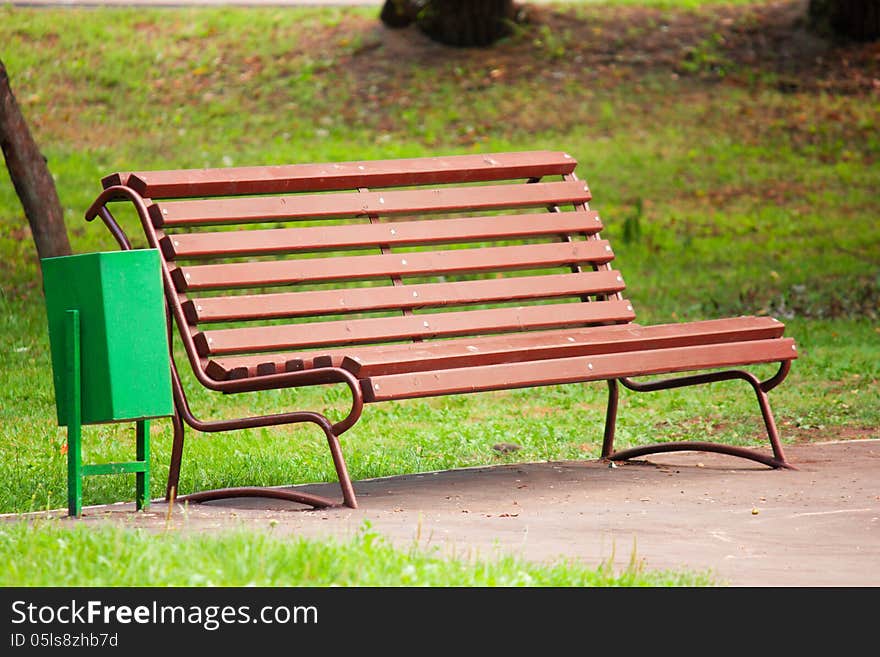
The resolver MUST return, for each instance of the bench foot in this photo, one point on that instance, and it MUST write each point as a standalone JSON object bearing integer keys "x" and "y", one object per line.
{"x": 314, "y": 501}
{"x": 743, "y": 452}
{"x": 761, "y": 389}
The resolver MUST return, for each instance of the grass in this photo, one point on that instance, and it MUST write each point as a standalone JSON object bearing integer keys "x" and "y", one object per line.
{"x": 732, "y": 159}
{"x": 85, "y": 556}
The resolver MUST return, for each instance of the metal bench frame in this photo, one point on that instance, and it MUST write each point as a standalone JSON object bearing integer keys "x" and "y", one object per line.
{"x": 143, "y": 189}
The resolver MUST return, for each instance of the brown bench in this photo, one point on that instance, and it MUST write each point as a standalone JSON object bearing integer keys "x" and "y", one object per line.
{"x": 412, "y": 278}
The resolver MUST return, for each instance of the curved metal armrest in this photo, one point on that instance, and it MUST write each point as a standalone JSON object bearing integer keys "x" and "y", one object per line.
{"x": 99, "y": 208}
{"x": 115, "y": 193}
{"x": 318, "y": 376}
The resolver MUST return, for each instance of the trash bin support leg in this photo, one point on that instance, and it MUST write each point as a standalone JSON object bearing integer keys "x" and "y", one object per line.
{"x": 142, "y": 496}
{"x": 140, "y": 467}
{"x": 73, "y": 376}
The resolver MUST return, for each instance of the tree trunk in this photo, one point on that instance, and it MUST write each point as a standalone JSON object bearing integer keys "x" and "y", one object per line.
{"x": 30, "y": 176}
{"x": 398, "y": 13}
{"x": 852, "y": 19}
{"x": 462, "y": 23}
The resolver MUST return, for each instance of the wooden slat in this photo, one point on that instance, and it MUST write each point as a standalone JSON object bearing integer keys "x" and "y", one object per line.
{"x": 344, "y": 175}
{"x": 361, "y": 204}
{"x": 423, "y": 263}
{"x": 396, "y": 359}
{"x": 572, "y": 370}
{"x": 388, "y": 297}
{"x": 428, "y": 325}
{"x": 389, "y": 234}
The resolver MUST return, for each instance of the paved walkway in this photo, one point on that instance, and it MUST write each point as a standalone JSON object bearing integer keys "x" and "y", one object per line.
{"x": 744, "y": 523}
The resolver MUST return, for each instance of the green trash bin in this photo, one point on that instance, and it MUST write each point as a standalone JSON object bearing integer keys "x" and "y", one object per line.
{"x": 110, "y": 362}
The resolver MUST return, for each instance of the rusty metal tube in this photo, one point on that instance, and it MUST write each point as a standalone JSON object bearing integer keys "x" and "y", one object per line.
{"x": 610, "y": 418}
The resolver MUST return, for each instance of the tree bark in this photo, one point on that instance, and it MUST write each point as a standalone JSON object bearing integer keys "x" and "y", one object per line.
{"x": 851, "y": 19}
{"x": 30, "y": 176}
{"x": 464, "y": 23}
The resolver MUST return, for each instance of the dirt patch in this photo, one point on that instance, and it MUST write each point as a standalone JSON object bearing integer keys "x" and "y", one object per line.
{"x": 640, "y": 60}
{"x": 738, "y": 44}
{"x": 827, "y": 434}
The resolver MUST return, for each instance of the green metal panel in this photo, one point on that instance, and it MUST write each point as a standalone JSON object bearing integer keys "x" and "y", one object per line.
{"x": 123, "y": 335}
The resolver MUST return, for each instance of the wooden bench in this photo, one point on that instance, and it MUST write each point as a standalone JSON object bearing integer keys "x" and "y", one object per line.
{"x": 412, "y": 278}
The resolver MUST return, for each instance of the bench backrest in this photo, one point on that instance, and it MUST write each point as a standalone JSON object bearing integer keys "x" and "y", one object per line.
{"x": 311, "y": 257}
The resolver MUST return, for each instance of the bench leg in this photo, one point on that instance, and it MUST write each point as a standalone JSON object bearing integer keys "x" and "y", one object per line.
{"x": 184, "y": 414}
{"x": 610, "y": 419}
{"x": 314, "y": 501}
{"x": 176, "y": 457}
{"x": 341, "y": 469}
{"x": 761, "y": 389}
{"x": 300, "y": 497}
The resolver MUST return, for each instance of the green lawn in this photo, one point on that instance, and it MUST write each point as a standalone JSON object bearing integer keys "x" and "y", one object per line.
{"x": 735, "y": 173}
{"x": 115, "y": 556}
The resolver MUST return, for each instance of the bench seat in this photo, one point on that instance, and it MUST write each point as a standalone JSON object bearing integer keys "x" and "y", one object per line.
{"x": 398, "y": 358}
{"x": 576, "y": 369}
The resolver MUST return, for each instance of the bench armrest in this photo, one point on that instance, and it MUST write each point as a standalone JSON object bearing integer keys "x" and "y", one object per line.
{"x": 318, "y": 376}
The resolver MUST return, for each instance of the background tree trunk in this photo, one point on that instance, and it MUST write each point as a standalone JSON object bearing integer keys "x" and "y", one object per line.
{"x": 398, "y": 13}
{"x": 453, "y": 22}
{"x": 30, "y": 176}
{"x": 852, "y": 19}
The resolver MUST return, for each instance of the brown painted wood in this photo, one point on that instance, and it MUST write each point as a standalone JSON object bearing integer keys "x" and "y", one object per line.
{"x": 388, "y": 234}
{"x": 422, "y": 263}
{"x": 344, "y": 175}
{"x": 377, "y": 359}
{"x": 426, "y": 325}
{"x": 390, "y": 297}
{"x": 560, "y": 344}
{"x": 220, "y": 368}
{"x": 362, "y": 204}
{"x": 572, "y": 370}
